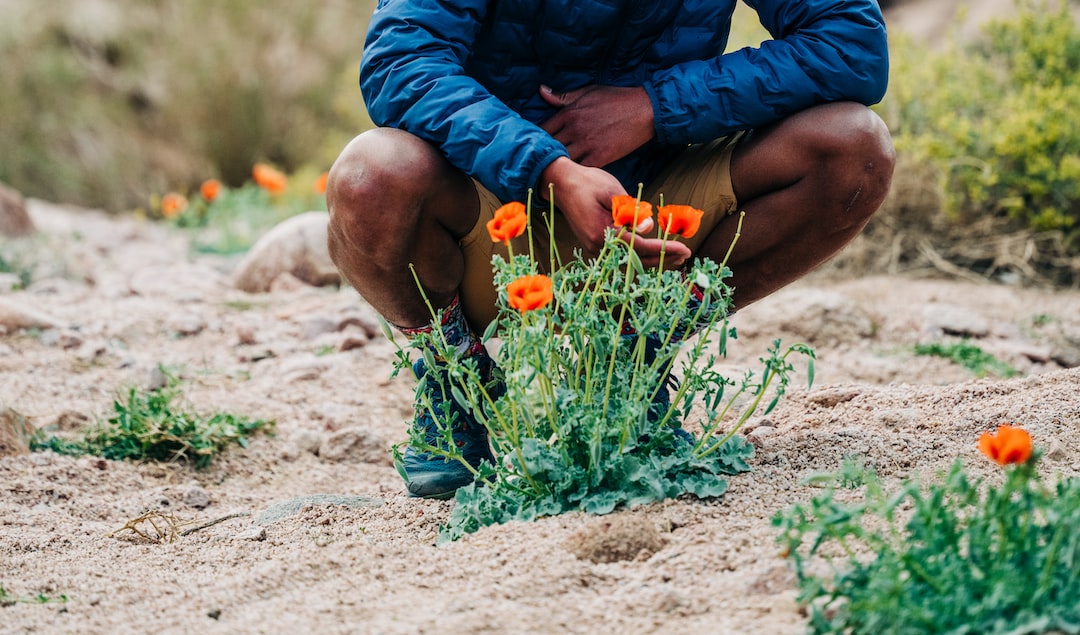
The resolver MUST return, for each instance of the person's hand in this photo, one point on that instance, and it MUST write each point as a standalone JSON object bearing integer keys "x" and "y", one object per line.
{"x": 600, "y": 124}
{"x": 584, "y": 194}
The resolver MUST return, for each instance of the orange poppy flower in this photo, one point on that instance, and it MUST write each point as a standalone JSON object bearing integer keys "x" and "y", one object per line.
{"x": 210, "y": 189}
{"x": 271, "y": 180}
{"x": 320, "y": 183}
{"x": 627, "y": 211}
{"x": 1009, "y": 445}
{"x": 172, "y": 204}
{"x": 680, "y": 219}
{"x": 530, "y": 292}
{"x": 509, "y": 222}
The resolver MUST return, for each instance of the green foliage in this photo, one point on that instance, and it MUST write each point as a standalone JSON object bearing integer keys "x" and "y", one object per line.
{"x": 9, "y": 599}
{"x": 997, "y": 118}
{"x": 577, "y": 428}
{"x": 969, "y": 356}
{"x": 148, "y": 426}
{"x": 958, "y": 556}
{"x": 105, "y": 103}
{"x": 14, "y": 260}
{"x": 232, "y": 222}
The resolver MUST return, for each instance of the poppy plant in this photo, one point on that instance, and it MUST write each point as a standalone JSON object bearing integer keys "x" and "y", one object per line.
{"x": 680, "y": 219}
{"x": 509, "y": 222}
{"x": 271, "y": 180}
{"x": 172, "y": 204}
{"x": 320, "y": 183}
{"x": 1009, "y": 445}
{"x": 626, "y": 210}
{"x": 528, "y": 293}
{"x": 210, "y": 189}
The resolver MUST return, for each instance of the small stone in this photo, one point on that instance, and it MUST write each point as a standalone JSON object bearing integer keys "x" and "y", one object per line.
{"x": 830, "y": 397}
{"x": 353, "y": 342}
{"x": 954, "y": 320}
{"x": 156, "y": 379}
{"x": 245, "y": 336}
{"x": 303, "y": 368}
{"x": 15, "y": 433}
{"x": 313, "y": 327}
{"x": 308, "y": 441}
{"x": 186, "y": 324}
{"x": 355, "y": 445}
{"x": 14, "y": 220}
{"x": 15, "y": 316}
{"x": 254, "y": 534}
{"x": 285, "y": 282}
{"x": 197, "y": 497}
{"x": 759, "y": 437}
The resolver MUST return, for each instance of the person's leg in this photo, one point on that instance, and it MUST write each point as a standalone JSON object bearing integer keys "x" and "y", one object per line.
{"x": 808, "y": 185}
{"x": 395, "y": 201}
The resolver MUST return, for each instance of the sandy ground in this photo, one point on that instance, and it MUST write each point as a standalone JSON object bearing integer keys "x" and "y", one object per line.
{"x": 130, "y": 296}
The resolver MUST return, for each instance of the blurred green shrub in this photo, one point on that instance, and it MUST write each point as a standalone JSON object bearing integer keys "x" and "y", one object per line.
{"x": 107, "y": 101}
{"x": 997, "y": 120}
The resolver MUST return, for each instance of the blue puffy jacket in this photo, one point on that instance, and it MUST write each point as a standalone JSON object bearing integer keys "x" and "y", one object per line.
{"x": 464, "y": 74}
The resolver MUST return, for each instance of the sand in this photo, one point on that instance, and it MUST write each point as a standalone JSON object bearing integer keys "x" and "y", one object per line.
{"x": 358, "y": 555}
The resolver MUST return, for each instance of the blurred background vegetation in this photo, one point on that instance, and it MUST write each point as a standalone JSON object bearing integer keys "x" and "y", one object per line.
{"x": 109, "y": 103}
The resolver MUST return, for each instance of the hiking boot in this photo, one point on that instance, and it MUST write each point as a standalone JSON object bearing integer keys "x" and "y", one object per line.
{"x": 428, "y": 475}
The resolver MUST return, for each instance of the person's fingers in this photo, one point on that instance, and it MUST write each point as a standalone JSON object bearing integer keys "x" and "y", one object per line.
{"x": 553, "y": 98}
{"x": 650, "y": 249}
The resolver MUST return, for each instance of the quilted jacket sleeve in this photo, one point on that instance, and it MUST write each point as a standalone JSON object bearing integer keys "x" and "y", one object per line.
{"x": 412, "y": 77}
{"x": 822, "y": 51}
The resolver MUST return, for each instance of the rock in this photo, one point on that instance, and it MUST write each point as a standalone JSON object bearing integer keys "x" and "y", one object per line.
{"x": 285, "y": 282}
{"x": 292, "y": 506}
{"x": 254, "y": 534}
{"x": 296, "y": 246}
{"x": 1065, "y": 346}
{"x": 759, "y": 437}
{"x": 948, "y": 319}
{"x": 302, "y": 368}
{"x": 186, "y": 324}
{"x": 303, "y": 442}
{"x": 15, "y": 433}
{"x": 352, "y": 342}
{"x": 355, "y": 445}
{"x": 369, "y": 326}
{"x": 245, "y": 335}
{"x": 15, "y": 316}
{"x": 313, "y": 326}
{"x": 14, "y": 221}
{"x": 197, "y": 497}
{"x": 830, "y": 397}
{"x": 812, "y": 315}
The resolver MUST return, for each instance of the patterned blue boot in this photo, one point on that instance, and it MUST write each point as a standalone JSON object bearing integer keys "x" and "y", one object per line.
{"x": 428, "y": 475}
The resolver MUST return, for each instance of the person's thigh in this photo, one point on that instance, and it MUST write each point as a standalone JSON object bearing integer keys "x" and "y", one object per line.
{"x": 478, "y": 294}
{"x": 700, "y": 176}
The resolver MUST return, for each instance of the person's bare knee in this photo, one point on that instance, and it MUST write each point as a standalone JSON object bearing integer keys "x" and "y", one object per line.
{"x": 397, "y": 206}
{"x": 375, "y": 189}
{"x": 855, "y": 156}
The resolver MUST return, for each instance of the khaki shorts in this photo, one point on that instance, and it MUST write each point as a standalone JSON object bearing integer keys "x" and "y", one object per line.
{"x": 700, "y": 177}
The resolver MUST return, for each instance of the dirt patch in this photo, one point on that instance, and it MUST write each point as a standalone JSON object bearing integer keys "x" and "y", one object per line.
{"x": 348, "y": 552}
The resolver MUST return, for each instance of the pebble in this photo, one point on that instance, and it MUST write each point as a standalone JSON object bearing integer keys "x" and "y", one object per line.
{"x": 254, "y": 534}
{"x": 197, "y": 497}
